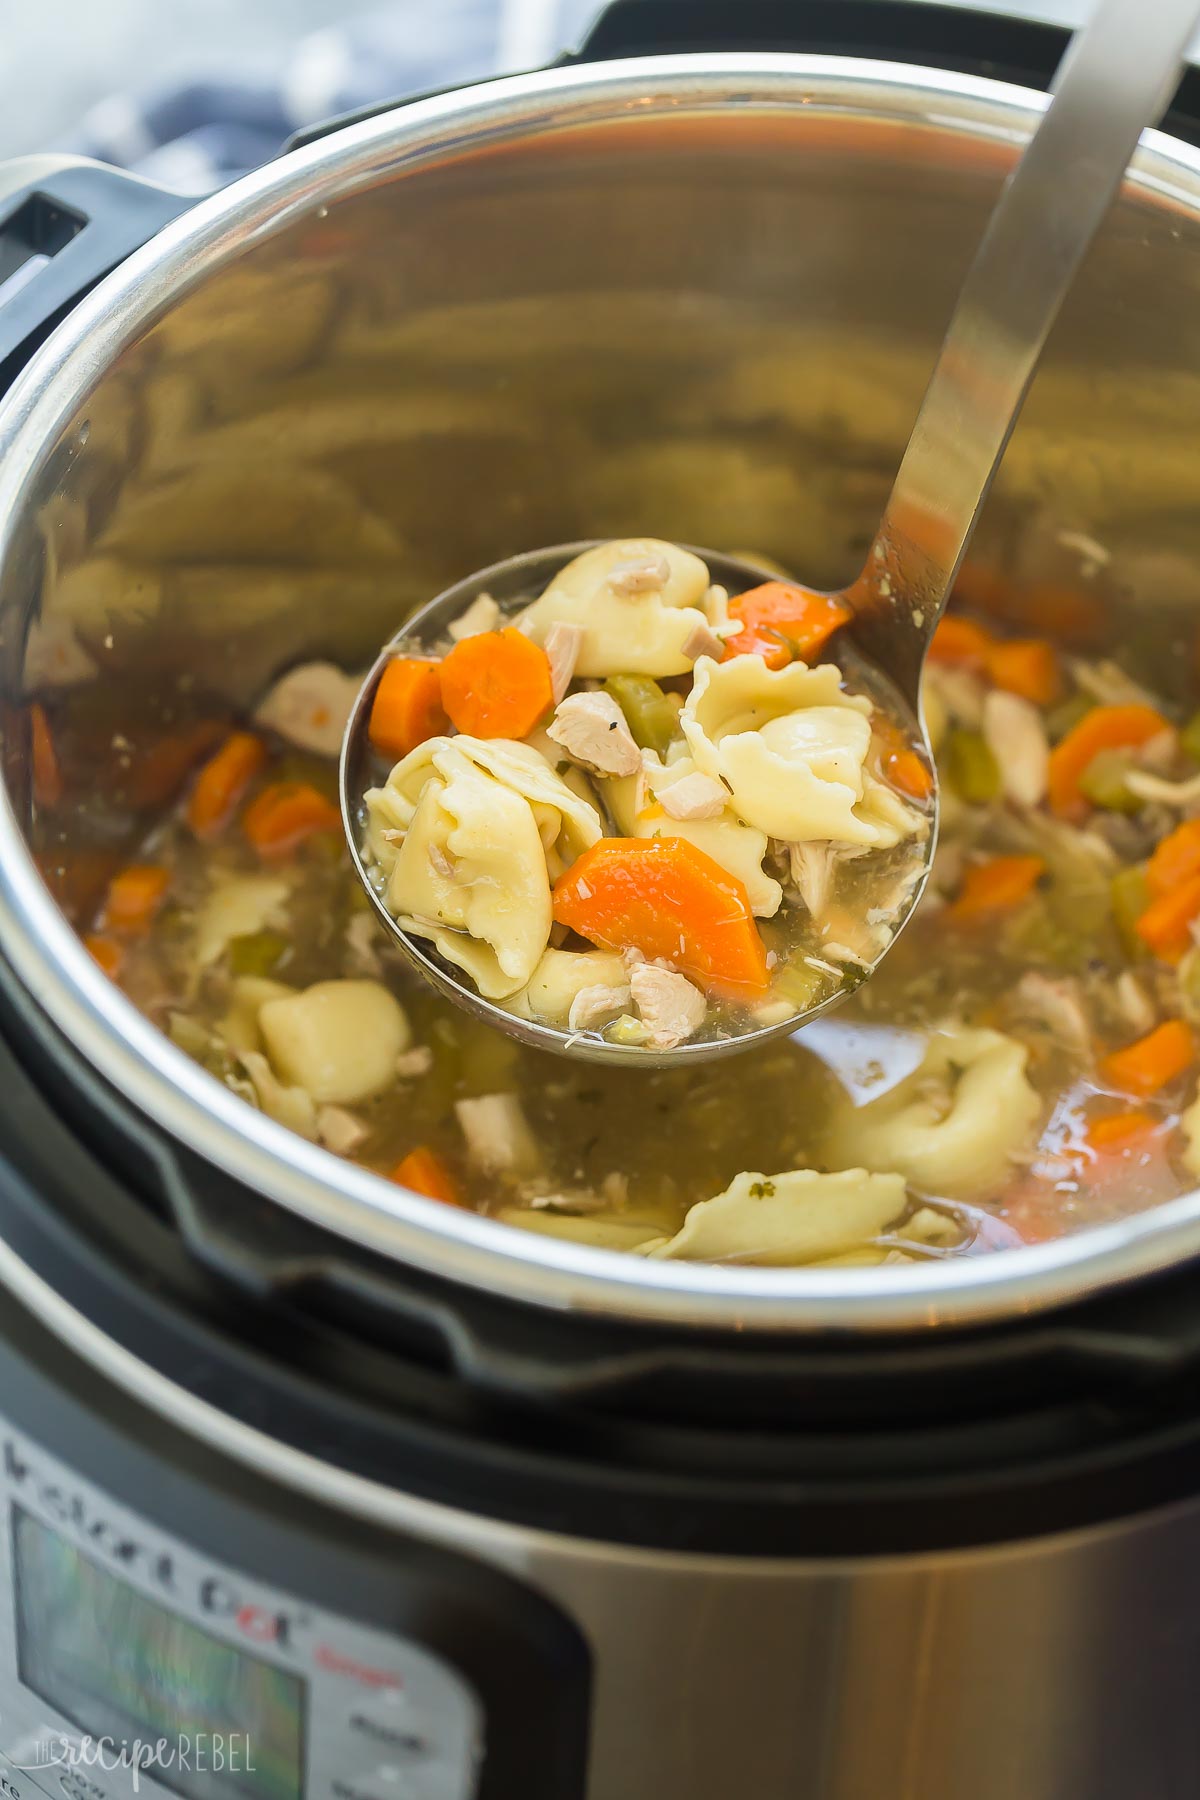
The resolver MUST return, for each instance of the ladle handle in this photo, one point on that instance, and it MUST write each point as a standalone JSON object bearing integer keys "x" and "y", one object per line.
{"x": 1118, "y": 75}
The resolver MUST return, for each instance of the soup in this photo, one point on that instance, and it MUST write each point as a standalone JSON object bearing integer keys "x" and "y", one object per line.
{"x": 1022, "y": 1066}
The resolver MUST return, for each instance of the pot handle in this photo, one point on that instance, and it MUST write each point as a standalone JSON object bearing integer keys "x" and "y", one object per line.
{"x": 64, "y": 223}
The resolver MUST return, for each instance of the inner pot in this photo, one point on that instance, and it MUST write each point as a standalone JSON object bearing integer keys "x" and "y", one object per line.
{"x": 690, "y": 296}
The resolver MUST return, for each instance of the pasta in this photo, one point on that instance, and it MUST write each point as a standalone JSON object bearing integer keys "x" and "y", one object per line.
{"x": 797, "y": 1216}
{"x": 637, "y": 601}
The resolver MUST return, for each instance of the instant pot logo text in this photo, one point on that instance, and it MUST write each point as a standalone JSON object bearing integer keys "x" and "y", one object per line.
{"x": 212, "y": 1596}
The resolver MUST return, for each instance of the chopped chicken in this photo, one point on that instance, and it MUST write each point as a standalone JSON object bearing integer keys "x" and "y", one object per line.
{"x": 957, "y": 692}
{"x": 592, "y": 730}
{"x": 1182, "y": 794}
{"x": 309, "y": 706}
{"x": 1134, "y": 1004}
{"x": 1107, "y": 682}
{"x": 811, "y": 867}
{"x": 1016, "y": 737}
{"x": 340, "y": 1130}
{"x": 439, "y": 862}
{"x": 414, "y": 1062}
{"x": 702, "y": 640}
{"x": 499, "y": 1140}
{"x": 669, "y": 1006}
{"x": 640, "y": 575}
{"x": 482, "y": 615}
{"x": 562, "y": 652}
{"x": 577, "y": 1202}
{"x": 363, "y": 940}
{"x": 598, "y": 1001}
{"x": 695, "y": 796}
{"x": 1056, "y": 1006}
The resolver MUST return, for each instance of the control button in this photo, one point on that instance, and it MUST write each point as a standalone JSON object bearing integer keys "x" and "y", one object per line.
{"x": 398, "y": 1733}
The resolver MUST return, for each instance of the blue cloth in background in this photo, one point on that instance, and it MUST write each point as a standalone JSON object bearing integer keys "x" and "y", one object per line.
{"x": 198, "y": 136}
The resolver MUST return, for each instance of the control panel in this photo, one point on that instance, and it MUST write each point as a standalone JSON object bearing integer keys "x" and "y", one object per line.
{"x": 129, "y": 1664}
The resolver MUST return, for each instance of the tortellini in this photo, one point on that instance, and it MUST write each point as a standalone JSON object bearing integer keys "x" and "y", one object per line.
{"x": 733, "y": 843}
{"x": 561, "y": 977}
{"x": 628, "y": 628}
{"x": 792, "y": 748}
{"x": 954, "y": 1125}
{"x": 796, "y": 1217}
{"x": 487, "y": 827}
{"x": 236, "y": 906}
{"x": 338, "y": 1040}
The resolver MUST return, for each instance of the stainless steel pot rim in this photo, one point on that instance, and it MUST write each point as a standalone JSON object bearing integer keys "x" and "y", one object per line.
{"x": 141, "y": 1064}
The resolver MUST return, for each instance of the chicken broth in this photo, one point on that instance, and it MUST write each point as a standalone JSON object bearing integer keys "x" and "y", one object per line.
{"x": 1022, "y": 1065}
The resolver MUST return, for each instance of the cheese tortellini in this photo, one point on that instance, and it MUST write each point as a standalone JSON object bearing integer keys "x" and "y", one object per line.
{"x": 637, "y": 601}
{"x": 483, "y": 829}
{"x": 792, "y": 747}
{"x": 733, "y": 843}
{"x": 796, "y": 1217}
{"x": 561, "y": 976}
{"x": 953, "y": 1126}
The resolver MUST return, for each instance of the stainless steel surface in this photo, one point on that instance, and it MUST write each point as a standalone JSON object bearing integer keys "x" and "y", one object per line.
{"x": 513, "y": 581}
{"x": 1117, "y": 76}
{"x": 693, "y": 295}
{"x": 1054, "y": 1669}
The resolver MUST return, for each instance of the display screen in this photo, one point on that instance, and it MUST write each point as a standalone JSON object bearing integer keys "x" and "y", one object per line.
{"x": 122, "y": 1666}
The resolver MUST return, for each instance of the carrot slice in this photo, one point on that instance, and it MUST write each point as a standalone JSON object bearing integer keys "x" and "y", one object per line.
{"x": 47, "y": 776}
{"x": 134, "y": 898}
{"x": 285, "y": 815}
{"x": 908, "y": 772}
{"x": 1152, "y": 1062}
{"x": 107, "y": 952}
{"x": 424, "y": 1171}
{"x": 497, "y": 684}
{"x": 669, "y": 900}
{"x": 407, "y": 708}
{"x": 996, "y": 885}
{"x": 961, "y": 641}
{"x": 1176, "y": 859}
{"x": 781, "y": 621}
{"x": 1165, "y": 926}
{"x": 1028, "y": 667}
{"x": 1104, "y": 728}
{"x": 221, "y": 783}
{"x": 1119, "y": 1133}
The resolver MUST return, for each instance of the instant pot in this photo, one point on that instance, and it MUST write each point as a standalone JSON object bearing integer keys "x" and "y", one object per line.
{"x": 313, "y": 1488}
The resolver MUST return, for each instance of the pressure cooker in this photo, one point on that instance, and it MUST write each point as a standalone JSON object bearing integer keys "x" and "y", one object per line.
{"x": 313, "y": 1488}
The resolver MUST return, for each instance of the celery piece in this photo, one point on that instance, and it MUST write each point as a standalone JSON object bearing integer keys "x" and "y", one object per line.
{"x": 971, "y": 768}
{"x": 626, "y": 1029}
{"x": 1129, "y": 898}
{"x": 257, "y": 953}
{"x": 801, "y": 985}
{"x": 1066, "y": 715}
{"x": 1189, "y": 737}
{"x": 649, "y": 714}
{"x": 1104, "y": 782}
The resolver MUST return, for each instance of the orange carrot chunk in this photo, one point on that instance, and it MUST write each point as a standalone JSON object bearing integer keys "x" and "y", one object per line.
{"x": 497, "y": 685}
{"x": 1165, "y": 926}
{"x": 1122, "y": 1132}
{"x": 134, "y": 898}
{"x": 218, "y": 788}
{"x": 1026, "y": 666}
{"x": 995, "y": 886}
{"x": 909, "y": 772}
{"x": 781, "y": 621}
{"x": 285, "y": 815}
{"x": 1104, "y": 728}
{"x": 424, "y": 1171}
{"x": 669, "y": 900}
{"x": 961, "y": 641}
{"x": 1152, "y": 1062}
{"x": 107, "y": 952}
{"x": 47, "y": 776}
{"x": 407, "y": 708}
{"x": 1176, "y": 859}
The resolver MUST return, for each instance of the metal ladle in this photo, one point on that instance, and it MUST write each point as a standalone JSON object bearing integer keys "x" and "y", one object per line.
{"x": 1117, "y": 76}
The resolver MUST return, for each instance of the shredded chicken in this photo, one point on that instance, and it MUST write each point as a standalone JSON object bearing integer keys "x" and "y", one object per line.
{"x": 482, "y": 615}
{"x": 339, "y": 1130}
{"x": 669, "y": 1006}
{"x": 958, "y": 692}
{"x": 309, "y": 706}
{"x": 640, "y": 575}
{"x": 363, "y": 940}
{"x": 497, "y": 1133}
{"x": 577, "y": 1202}
{"x": 562, "y": 652}
{"x": 842, "y": 953}
{"x": 811, "y": 868}
{"x": 1134, "y": 1004}
{"x": 596, "y": 1002}
{"x": 1180, "y": 794}
{"x": 1107, "y": 682}
{"x": 1016, "y": 737}
{"x": 440, "y": 863}
{"x": 1091, "y": 552}
{"x": 1054, "y": 1005}
{"x": 415, "y": 1062}
{"x": 591, "y": 728}
{"x": 702, "y": 640}
{"x": 695, "y": 796}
